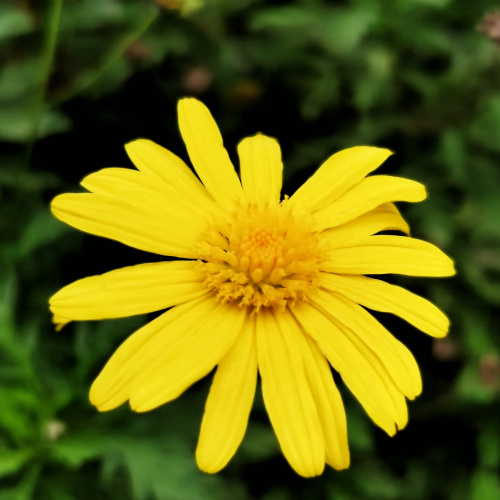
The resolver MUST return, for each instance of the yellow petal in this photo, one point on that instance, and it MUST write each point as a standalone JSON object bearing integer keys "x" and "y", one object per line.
{"x": 287, "y": 394}
{"x": 60, "y": 322}
{"x": 208, "y": 155}
{"x": 112, "y": 387}
{"x": 365, "y": 196}
{"x": 261, "y": 168}
{"x": 359, "y": 368}
{"x": 156, "y": 226}
{"x": 389, "y": 254}
{"x": 384, "y": 297}
{"x": 185, "y": 354}
{"x": 328, "y": 403}
{"x": 337, "y": 175}
{"x": 397, "y": 359}
{"x": 383, "y": 218}
{"x": 229, "y": 403}
{"x": 395, "y": 399}
{"x": 125, "y": 183}
{"x": 154, "y": 160}
{"x": 131, "y": 290}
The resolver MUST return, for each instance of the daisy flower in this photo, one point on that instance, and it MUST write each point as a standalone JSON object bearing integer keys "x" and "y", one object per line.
{"x": 261, "y": 285}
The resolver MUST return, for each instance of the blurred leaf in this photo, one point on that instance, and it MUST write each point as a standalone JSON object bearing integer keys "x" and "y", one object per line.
{"x": 370, "y": 90}
{"x": 17, "y": 123}
{"x": 452, "y": 153}
{"x": 477, "y": 336}
{"x": 259, "y": 443}
{"x": 287, "y": 17}
{"x": 341, "y": 30}
{"x": 489, "y": 447}
{"x": 8, "y": 297}
{"x": 95, "y": 341}
{"x": 481, "y": 268}
{"x": 336, "y": 29}
{"x": 359, "y": 429}
{"x": 20, "y": 407}
{"x": 27, "y": 485}
{"x": 19, "y": 79}
{"x": 26, "y": 182}
{"x": 434, "y": 3}
{"x": 324, "y": 92}
{"x": 14, "y": 22}
{"x": 278, "y": 494}
{"x": 42, "y": 229}
{"x": 485, "y": 485}
{"x": 484, "y": 129}
{"x": 167, "y": 470}
{"x": 75, "y": 449}
{"x": 378, "y": 483}
{"x": 163, "y": 468}
{"x": 90, "y": 15}
{"x": 470, "y": 388}
{"x": 11, "y": 461}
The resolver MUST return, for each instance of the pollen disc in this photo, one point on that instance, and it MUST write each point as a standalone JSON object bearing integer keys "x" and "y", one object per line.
{"x": 261, "y": 256}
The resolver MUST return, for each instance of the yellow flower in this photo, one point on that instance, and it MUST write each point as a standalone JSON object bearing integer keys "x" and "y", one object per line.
{"x": 262, "y": 286}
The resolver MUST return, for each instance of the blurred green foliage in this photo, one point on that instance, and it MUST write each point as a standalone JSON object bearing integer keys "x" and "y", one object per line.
{"x": 79, "y": 78}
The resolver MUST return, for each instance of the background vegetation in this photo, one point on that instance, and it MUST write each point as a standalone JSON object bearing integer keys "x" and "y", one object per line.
{"x": 80, "y": 78}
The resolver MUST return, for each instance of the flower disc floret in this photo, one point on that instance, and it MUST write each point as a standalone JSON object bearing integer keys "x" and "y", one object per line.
{"x": 258, "y": 255}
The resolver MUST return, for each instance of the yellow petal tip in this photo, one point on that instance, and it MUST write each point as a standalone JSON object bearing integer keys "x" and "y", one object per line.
{"x": 59, "y": 321}
{"x": 207, "y": 465}
{"x": 189, "y": 101}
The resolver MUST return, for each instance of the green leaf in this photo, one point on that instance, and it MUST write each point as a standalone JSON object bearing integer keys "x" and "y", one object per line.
{"x": 12, "y": 461}
{"x": 167, "y": 470}
{"x": 13, "y": 176}
{"x": 439, "y": 4}
{"x": 284, "y": 18}
{"x": 379, "y": 483}
{"x": 470, "y": 388}
{"x": 164, "y": 468}
{"x": 488, "y": 445}
{"x": 484, "y": 128}
{"x": 485, "y": 485}
{"x": 14, "y": 22}
{"x": 478, "y": 339}
{"x": 19, "y": 79}
{"x": 20, "y": 408}
{"x": 259, "y": 443}
{"x": 91, "y": 15}
{"x": 452, "y": 153}
{"x": 75, "y": 449}
{"x": 17, "y": 123}
{"x": 341, "y": 30}
{"x": 42, "y": 229}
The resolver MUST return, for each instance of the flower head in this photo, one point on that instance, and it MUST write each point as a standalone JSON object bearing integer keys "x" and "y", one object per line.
{"x": 261, "y": 285}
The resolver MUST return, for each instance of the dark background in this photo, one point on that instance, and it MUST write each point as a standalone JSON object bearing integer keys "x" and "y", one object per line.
{"x": 80, "y": 78}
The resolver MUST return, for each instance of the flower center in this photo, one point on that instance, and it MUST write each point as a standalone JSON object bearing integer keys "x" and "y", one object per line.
{"x": 261, "y": 256}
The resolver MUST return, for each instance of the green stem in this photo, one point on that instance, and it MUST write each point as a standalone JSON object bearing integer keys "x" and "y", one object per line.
{"x": 52, "y": 30}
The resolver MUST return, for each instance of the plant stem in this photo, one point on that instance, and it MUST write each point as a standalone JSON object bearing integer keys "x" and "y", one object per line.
{"x": 47, "y": 59}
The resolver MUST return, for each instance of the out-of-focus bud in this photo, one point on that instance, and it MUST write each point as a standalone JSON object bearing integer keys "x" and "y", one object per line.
{"x": 186, "y": 7}
{"x": 490, "y": 25}
{"x": 444, "y": 349}
{"x": 196, "y": 80}
{"x": 138, "y": 51}
{"x": 54, "y": 429}
{"x": 489, "y": 371}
